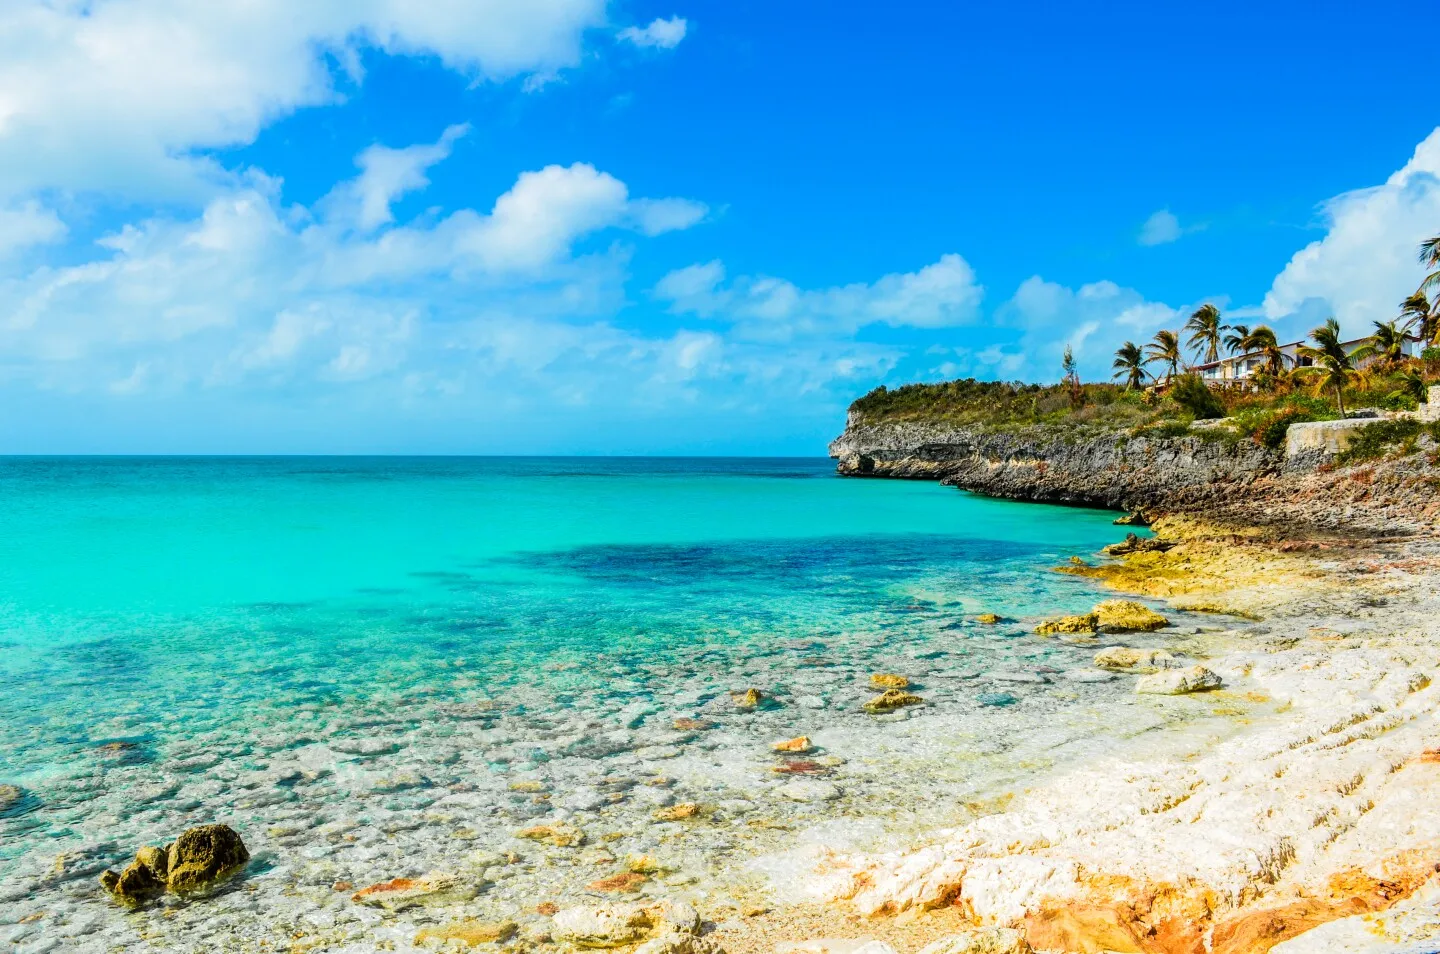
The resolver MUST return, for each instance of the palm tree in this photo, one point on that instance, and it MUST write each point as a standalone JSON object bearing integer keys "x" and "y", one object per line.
{"x": 1333, "y": 369}
{"x": 1165, "y": 349}
{"x": 1430, "y": 258}
{"x": 1235, "y": 340}
{"x": 1420, "y": 321}
{"x": 1207, "y": 329}
{"x": 1386, "y": 346}
{"x": 1261, "y": 340}
{"x": 1130, "y": 365}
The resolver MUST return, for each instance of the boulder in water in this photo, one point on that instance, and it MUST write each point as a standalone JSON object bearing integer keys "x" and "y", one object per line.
{"x": 203, "y": 858}
{"x": 199, "y": 861}
{"x": 889, "y": 680}
{"x": 892, "y": 699}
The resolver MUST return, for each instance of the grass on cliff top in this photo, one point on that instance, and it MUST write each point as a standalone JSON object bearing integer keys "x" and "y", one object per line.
{"x": 1261, "y": 416}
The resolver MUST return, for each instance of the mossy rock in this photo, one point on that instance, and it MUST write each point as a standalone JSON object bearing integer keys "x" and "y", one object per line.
{"x": 892, "y": 699}
{"x": 1127, "y": 616}
{"x": 205, "y": 857}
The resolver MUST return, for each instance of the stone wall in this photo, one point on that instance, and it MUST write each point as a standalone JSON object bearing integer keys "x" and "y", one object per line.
{"x": 1430, "y": 411}
{"x": 1326, "y": 438}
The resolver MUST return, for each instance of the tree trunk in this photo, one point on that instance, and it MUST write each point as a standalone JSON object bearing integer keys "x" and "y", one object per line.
{"x": 1340, "y": 400}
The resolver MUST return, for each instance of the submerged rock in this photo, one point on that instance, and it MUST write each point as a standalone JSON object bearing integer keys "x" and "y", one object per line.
{"x": 469, "y": 933}
{"x": 677, "y": 812}
{"x": 402, "y": 893}
{"x": 809, "y": 790}
{"x": 892, "y": 699}
{"x": 561, "y": 836}
{"x": 1178, "y": 682}
{"x": 1087, "y": 623}
{"x": 1127, "y": 616}
{"x": 626, "y": 882}
{"x": 14, "y": 800}
{"x": 889, "y": 680}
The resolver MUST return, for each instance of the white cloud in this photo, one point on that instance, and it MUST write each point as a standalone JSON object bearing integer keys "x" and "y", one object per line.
{"x": 1092, "y": 320}
{"x": 1366, "y": 263}
{"x": 253, "y": 289}
{"x": 662, "y": 33}
{"x": 1160, "y": 228}
{"x": 115, "y": 95}
{"x": 25, "y": 224}
{"x": 387, "y": 174}
{"x": 942, "y": 294}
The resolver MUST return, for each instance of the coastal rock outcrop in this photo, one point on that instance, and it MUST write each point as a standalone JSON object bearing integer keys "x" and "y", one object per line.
{"x": 1060, "y": 465}
{"x": 1127, "y": 616}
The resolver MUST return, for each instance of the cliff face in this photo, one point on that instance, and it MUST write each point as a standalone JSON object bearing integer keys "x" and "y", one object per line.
{"x": 1058, "y": 466}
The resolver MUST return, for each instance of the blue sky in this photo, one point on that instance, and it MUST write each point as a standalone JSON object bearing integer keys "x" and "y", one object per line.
{"x": 573, "y": 226}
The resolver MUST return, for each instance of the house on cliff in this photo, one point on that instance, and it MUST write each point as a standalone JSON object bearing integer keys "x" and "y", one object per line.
{"x": 1237, "y": 370}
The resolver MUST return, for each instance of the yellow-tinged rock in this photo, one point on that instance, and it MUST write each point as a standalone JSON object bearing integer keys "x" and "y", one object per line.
{"x": 528, "y": 785}
{"x": 747, "y": 699}
{"x": 469, "y": 932}
{"x": 646, "y": 865}
{"x": 1127, "y": 616}
{"x": 626, "y": 882}
{"x": 888, "y": 680}
{"x": 677, "y": 812}
{"x": 1087, "y": 623}
{"x": 892, "y": 699}
{"x": 989, "y": 619}
{"x": 798, "y": 745}
{"x": 561, "y": 836}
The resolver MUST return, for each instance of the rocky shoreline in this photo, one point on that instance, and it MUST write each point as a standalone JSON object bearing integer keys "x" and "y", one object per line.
{"x": 1234, "y": 482}
{"x": 1314, "y": 829}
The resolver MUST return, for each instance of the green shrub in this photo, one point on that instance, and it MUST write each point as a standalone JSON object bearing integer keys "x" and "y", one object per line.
{"x": 1273, "y": 427}
{"x": 1191, "y": 393}
{"x": 1381, "y": 438}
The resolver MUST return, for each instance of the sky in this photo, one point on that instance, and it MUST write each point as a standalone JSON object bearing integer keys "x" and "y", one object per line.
{"x": 593, "y": 226}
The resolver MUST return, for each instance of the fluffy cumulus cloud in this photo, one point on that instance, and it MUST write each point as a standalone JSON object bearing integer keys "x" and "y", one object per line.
{"x": 117, "y": 95}
{"x": 250, "y": 286}
{"x": 1045, "y": 317}
{"x": 942, "y": 294}
{"x": 664, "y": 34}
{"x": 1366, "y": 262}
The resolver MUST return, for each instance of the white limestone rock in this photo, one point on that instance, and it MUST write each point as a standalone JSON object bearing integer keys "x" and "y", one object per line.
{"x": 1178, "y": 682}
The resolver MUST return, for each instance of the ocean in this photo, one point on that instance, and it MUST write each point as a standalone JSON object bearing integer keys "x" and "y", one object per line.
{"x": 354, "y": 661}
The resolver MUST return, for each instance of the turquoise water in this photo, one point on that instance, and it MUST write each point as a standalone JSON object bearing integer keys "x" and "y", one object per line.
{"x": 175, "y": 634}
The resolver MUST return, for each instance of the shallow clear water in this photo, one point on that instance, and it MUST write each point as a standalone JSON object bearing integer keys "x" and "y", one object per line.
{"x": 178, "y": 634}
